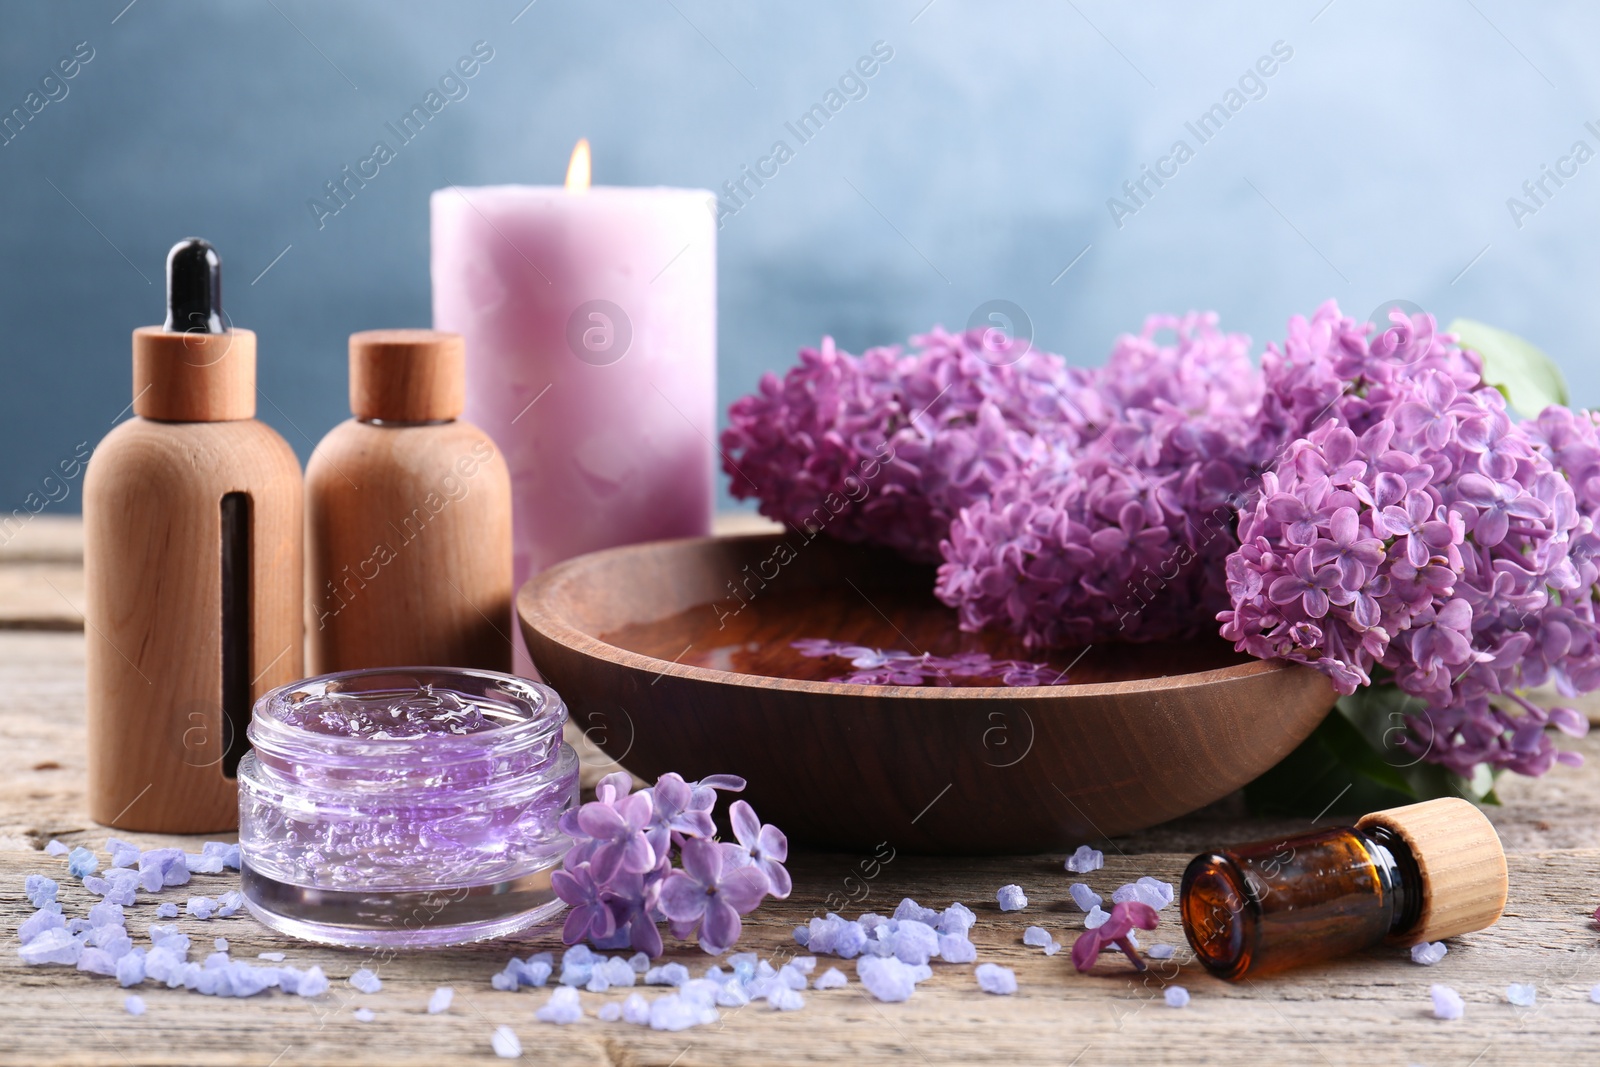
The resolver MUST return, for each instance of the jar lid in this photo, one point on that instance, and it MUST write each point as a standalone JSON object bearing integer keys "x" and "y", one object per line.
{"x": 1459, "y": 857}
{"x": 407, "y": 375}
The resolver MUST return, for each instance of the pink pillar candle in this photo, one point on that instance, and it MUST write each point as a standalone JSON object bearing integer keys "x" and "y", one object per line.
{"x": 590, "y": 325}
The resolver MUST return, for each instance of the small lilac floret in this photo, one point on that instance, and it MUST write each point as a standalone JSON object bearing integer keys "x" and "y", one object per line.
{"x": 832, "y": 978}
{"x": 201, "y": 907}
{"x": 1447, "y": 1003}
{"x": 55, "y": 848}
{"x": 46, "y": 918}
{"x": 1085, "y": 860}
{"x": 993, "y": 978}
{"x": 1084, "y": 897}
{"x": 1011, "y": 898}
{"x": 1160, "y": 952}
{"x": 54, "y": 945}
{"x": 1522, "y": 994}
{"x": 562, "y": 1007}
{"x": 366, "y": 981}
{"x": 1428, "y": 953}
{"x": 888, "y": 979}
{"x": 133, "y": 1004}
{"x": 1176, "y": 996}
{"x": 505, "y": 1043}
{"x": 440, "y": 1000}
{"x": 40, "y": 890}
{"x": 81, "y": 862}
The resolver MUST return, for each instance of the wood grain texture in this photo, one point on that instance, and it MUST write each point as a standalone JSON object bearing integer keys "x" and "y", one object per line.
{"x": 407, "y": 375}
{"x": 153, "y": 551}
{"x": 194, "y": 377}
{"x": 408, "y": 549}
{"x": 963, "y": 770}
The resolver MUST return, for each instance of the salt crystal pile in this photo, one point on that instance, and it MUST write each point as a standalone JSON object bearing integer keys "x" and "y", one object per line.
{"x": 562, "y": 1007}
{"x": 913, "y": 935}
{"x": 888, "y": 979}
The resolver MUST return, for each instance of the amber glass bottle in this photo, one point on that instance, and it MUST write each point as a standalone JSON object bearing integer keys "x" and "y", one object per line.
{"x": 1411, "y": 874}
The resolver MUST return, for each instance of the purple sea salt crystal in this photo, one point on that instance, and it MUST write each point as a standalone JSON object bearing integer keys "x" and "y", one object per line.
{"x": 106, "y": 914}
{"x": 1428, "y": 953}
{"x": 956, "y": 948}
{"x": 562, "y": 1007}
{"x": 1146, "y": 890}
{"x": 956, "y": 919}
{"x": 1116, "y": 932}
{"x": 133, "y": 1004}
{"x": 610, "y": 1011}
{"x": 1011, "y": 898}
{"x": 505, "y": 1043}
{"x": 160, "y": 867}
{"x": 274, "y": 957}
{"x": 201, "y": 907}
{"x": 40, "y": 890}
{"x": 636, "y": 1010}
{"x": 363, "y": 1015}
{"x": 130, "y": 968}
{"x": 910, "y": 909}
{"x": 55, "y": 848}
{"x": 674, "y": 974}
{"x": 1096, "y": 918}
{"x": 1447, "y": 1003}
{"x": 802, "y": 936}
{"x": 1084, "y": 897}
{"x": 1522, "y": 995}
{"x": 1176, "y": 996}
{"x": 1037, "y": 937}
{"x": 53, "y": 945}
{"x": 993, "y": 978}
{"x": 834, "y": 978}
{"x": 1084, "y": 860}
{"x": 311, "y": 983}
{"x": 440, "y": 1000}
{"x": 202, "y": 863}
{"x": 81, "y": 862}
{"x": 97, "y": 961}
{"x": 366, "y": 981}
{"x": 674, "y": 1012}
{"x": 166, "y": 910}
{"x": 785, "y": 998}
{"x": 119, "y": 886}
{"x": 123, "y": 854}
{"x": 48, "y": 917}
{"x": 888, "y": 979}
{"x": 914, "y": 942}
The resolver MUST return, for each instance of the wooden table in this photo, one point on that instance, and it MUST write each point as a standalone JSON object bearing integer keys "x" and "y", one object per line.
{"x": 1370, "y": 1009}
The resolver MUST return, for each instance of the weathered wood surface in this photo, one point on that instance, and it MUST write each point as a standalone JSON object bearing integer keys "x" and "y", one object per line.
{"x": 1369, "y": 1009}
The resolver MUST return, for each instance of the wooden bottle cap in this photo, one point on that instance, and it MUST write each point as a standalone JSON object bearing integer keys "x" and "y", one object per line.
{"x": 194, "y": 377}
{"x": 1462, "y": 865}
{"x": 407, "y": 375}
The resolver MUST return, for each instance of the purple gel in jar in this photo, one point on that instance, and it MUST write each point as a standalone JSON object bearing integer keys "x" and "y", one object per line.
{"x": 405, "y": 807}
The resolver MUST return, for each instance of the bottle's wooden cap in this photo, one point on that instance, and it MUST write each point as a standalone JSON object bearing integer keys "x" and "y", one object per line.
{"x": 407, "y": 375}
{"x": 1462, "y": 865}
{"x": 194, "y": 377}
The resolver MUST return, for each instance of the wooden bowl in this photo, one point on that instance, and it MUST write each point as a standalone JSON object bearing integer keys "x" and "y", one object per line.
{"x": 675, "y": 656}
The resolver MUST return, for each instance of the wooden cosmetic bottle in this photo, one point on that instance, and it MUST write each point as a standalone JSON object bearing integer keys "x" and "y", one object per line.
{"x": 408, "y": 518}
{"x": 192, "y": 560}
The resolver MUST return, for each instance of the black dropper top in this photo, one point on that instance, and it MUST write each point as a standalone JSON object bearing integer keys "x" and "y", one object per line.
{"x": 194, "y": 288}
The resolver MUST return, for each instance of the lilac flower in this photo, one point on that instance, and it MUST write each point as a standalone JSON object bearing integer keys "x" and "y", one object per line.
{"x": 706, "y": 893}
{"x": 1117, "y": 932}
{"x": 765, "y": 846}
{"x": 590, "y": 916}
{"x": 618, "y": 831}
{"x": 895, "y": 667}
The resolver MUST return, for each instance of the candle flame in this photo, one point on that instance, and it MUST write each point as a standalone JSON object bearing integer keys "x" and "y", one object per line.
{"x": 578, "y": 168}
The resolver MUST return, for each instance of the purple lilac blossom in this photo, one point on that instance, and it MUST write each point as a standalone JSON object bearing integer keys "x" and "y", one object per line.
{"x": 875, "y": 666}
{"x": 1412, "y": 532}
{"x": 1115, "y": 932}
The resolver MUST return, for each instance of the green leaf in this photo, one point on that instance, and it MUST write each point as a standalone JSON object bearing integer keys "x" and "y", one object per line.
{"x": 1530, "y": 380}
{"x": 1353, "y": 764}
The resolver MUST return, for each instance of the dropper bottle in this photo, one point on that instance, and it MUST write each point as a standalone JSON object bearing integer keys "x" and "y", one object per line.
{"x": 192, "y": 563}
{"x": 1418, "y": 873}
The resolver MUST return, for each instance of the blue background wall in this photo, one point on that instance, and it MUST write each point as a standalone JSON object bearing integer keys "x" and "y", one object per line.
{"x": 1377, "y": 165}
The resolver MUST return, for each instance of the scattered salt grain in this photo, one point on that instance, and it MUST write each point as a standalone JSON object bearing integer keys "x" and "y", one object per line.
{"x": 956, "y": 919}
{"x": 562, "y": 1007}
{"x": 639, "y": 962}
{"x": 106, "y": 914}
{"x": 97, "y": 961}
{"x": 956, "y": 948}
{"x": 312, "y": 983}
{"x": 40, "y": 890}
{"x": 46, "y": 918}
{"x": 161, "y": 867}
{"x": 910, "y": 909}
{"x": 1084, "y": 897}
{"x": 1011, "y": 898}
{"x": 610, "y": 1011}
{"x": 505, "y": 1043}
{"x": 783, "y": 998}
{"x": 133, "y": 1004}
{"x": 201, "y": 907}
{"x": 1176, "y": 996}
{"x": 1521, "y": 994}
{"x": 440, "y": 1001}
{"x": 81, "y": 862}
{"x": 913, "y": 942}
{"x": 55, "y": 848}
{"x": 275, "y": 957}
{"x": 1428, "y": 953}
{"x": 366, "y": 981}
{"x": 1146, "y": 890}
{"x": 1038, "y": 937}
{"x": 200, "y": 863}
{"x": 993, "y": 978}
{"x": 123, "y": 854}
{"x": 668, "y": 974}
{"x": 834, "y": 978}
{"x": 229, "y": 903}
{"x": 888, "y": 979}
{"x": 1085, "y": 860}
{"x": 1447, "y": 1003}
{"x": 1594, "y": 994}
{"x": 1160, "y": 952}
{"x": 52, "y": 946}
{"x": 363, "y": 1015}
{"x": 636, "y": 1010}
{"x": 1096, "y": 918}
{"x": 130, "y": 968}
{"x": 167, "y": 910}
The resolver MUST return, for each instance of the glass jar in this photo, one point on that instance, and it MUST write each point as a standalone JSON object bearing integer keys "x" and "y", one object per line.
{"x": 405, "y": 807}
